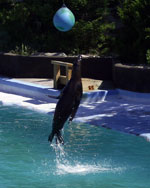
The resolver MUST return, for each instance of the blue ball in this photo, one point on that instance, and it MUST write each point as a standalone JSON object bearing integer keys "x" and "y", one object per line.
{"x": 64, "y": 19}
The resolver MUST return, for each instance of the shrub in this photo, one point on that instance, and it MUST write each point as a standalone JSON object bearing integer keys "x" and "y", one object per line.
{"x": 133, "y": 37}
{"x": 29, "y": 23}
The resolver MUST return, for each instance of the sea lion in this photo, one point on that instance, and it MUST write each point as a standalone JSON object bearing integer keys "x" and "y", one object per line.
{"x": 68, "y": 103}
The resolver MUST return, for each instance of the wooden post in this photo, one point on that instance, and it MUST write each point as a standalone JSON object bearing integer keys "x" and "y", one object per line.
{"x": 56, "y": 75}
{"x": 58, "y": 78}
{"x": 68, "y": 73}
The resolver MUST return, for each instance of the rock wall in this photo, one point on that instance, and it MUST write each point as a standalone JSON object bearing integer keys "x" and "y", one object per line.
{"x": 131, "y": 77}
{"x": 128, "y": 77}
{"x": 18, "y": 66}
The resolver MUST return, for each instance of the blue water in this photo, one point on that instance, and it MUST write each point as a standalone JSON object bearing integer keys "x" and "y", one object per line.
{"x": 92, "y": 157}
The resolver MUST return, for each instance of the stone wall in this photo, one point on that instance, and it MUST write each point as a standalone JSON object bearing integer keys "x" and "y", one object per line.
{"x": 131, "y": 77}
{"x": 128, "y": 77}
{"x": 18, "y": 66}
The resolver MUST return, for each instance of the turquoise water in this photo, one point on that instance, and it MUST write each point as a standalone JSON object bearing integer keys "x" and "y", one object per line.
{"x": 92, "y": 157}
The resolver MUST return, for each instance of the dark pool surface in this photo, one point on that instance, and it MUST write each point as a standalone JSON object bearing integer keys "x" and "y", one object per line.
{"x": 92, "y": 157}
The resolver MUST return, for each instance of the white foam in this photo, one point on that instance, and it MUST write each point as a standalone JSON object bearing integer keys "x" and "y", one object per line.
{"x": 83, "y": 169}
{"x": 85, "y": 119}
{"x": 65, "y": 166}
{"x": 78, "y": 169}
{"x": 146, "y": 136}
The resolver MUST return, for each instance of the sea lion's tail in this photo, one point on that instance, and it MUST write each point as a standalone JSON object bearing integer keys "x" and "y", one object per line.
{"x": 59, "y": 138}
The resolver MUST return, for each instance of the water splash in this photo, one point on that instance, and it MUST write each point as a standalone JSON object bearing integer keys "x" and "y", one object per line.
{"x": 65, "y": 166}
{"x": 94, "y": 97}
{"x": 81, "y": 169}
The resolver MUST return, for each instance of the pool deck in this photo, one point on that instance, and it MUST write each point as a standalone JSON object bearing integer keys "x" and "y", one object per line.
{"x": 97, "y": 84}
{"x": 103, "y": 108}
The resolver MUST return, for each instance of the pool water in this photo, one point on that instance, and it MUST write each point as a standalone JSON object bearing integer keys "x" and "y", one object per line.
{"x": 92, "y": 157}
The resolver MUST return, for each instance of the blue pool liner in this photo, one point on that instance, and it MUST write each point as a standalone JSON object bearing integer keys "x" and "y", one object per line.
{"x": 25, "y": 89}
{"x": 121, "y": 110}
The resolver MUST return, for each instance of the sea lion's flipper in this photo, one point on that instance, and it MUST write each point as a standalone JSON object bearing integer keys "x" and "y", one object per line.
{"x": 51, "y": 136}
{"x": 54, "y": 97}
{"x": 57, "y": 97}
{"x": 75, "y": 108}
{"x": 73, "y": 113}
{"x": 59, "y": 138}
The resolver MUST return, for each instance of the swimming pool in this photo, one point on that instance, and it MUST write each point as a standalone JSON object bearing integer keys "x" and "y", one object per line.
{"x": 106, "y": 108}
{"x": 92, "y": 157}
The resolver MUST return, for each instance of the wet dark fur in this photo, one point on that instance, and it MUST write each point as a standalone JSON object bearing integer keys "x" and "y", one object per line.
{"x": 68, "y": 103}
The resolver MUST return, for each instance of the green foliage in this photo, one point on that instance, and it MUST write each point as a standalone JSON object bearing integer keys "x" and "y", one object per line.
{"x": 23, "y": 50}
{"x": 148, "y": 56}
{"x": 103, "y": 27}
{"x": 30, "y": 23}
{"x": 134, "y": 36}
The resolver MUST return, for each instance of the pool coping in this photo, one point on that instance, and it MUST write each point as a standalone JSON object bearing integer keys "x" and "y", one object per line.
{"x": 36, "y": 97}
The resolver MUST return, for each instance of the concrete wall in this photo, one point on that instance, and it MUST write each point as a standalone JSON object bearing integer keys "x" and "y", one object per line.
{"x": 17, "y": 66}
{"x": 128, "y": 77}
{"x": 132, "y": 78}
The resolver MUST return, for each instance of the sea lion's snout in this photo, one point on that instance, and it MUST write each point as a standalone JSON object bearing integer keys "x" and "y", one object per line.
{"x": 78, "y": 61}
{"x": 79, "y": 58}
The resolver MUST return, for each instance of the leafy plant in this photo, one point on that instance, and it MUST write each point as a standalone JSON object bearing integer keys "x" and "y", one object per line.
{"x": 23, "y": 50}
{"x": 132, "y": 38}
{"x": 30, "y": 23}
{"x": 148, "y": 56}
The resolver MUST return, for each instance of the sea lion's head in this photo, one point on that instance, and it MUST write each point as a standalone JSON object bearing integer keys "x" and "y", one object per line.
{"x": 78, "y": 61}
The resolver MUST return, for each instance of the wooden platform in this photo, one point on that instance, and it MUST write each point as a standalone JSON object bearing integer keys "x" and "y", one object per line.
{"x": 60, "y": 79}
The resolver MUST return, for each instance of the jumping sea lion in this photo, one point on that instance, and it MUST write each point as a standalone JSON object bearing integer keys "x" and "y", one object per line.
{"x": 68, "y": 102}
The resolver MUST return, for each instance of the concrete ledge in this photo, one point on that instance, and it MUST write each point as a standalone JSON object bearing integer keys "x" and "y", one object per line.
{"x": 24, "y": 89}
{"x": 131, "y": 77}
{"x": 39, "y": 92}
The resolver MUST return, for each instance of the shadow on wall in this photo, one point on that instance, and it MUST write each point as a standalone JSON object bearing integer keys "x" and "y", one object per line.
{"x": 17, "y": 66}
